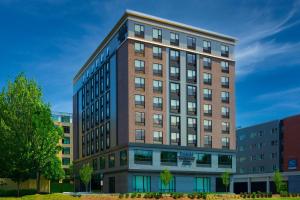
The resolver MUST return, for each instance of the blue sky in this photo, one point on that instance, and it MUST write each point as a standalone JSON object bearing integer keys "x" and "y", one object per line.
{"x": 49, "y": 40}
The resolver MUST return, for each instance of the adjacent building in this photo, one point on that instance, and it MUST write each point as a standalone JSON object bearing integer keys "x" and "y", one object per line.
{"x": 156, "y": 94}
{"x": 66, "y": 155}
{"x": 264, "y": 148}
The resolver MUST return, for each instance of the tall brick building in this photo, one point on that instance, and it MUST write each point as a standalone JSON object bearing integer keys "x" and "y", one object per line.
{"x": 156, "y": 94}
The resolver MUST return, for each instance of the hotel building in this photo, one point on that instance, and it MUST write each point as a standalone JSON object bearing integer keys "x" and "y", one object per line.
{"x": 156, "y": 94}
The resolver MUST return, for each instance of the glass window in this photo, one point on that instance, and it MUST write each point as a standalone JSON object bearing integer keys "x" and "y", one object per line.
{"x": 202, "y": 184}
{"x": 175, "y": 138}
{"x": 157, "y": 103}
{"x": 192, "y": 91}
{"x": 192, "y": 139}
{"x": 171, "y": 187}
{"x": 139, "y": 30}
{"x": 224, "y": 50}
{"x": 139, "y": 100}
{"x": 207, "y": 109}
{"x": 225, "y": 127}
{"x": 102, "y": 162}
{"x": 107, "y": 135}
{"x": 174, "y": 72}
{"x": 191, "y": 43}
{"x": 168, "y": 158}
{"x": 143, "y": 157}
{"x": 207, "y": 63}
{"x": 156, "y": 34}
{"x": 207, "y": 125}
{"x": 157, "y": 137}
{"x": 157, "y": 86}
{"x": 140, "y": 135}
{"x": 141, "y": 183}
{"x": 66, "y": 119}
{"x": 225, "y": 66}
{"x": 139, "y": 117}
{"x": 207, "y": 94}
{"x": 139, "y": 65}
{"x": 157, "y": 120}
{"x": 175, "y": 105}
{"x": 191, "y": 108}
{"x": 174, "y": 87}
{"x": 192, "y": 122}
{"x": 225, "y": 97}
{"x": 66, "y": 129}
{"x": 224, "y": 161}
{"x": 66, "y": 140}
{"x": 207, "y": 77}
{"x": 225, "y": 143}
{"x": 66, "y": 150}
{"x": 225, "y": 112}
{"x": 157, "y": 69}
{"x": 139, "y": 83}
{"x": 203, "y": 160}
{"x": 139, "y": 47}
{"x": 157, "y": 53}
{"x": 191, "y": 59}
{"x": 174, "y": 55}
{"x": 206, "y": 46}
{"x": 111, "y": 160}
{"x": 174, "y": 39}
{"x": 175, "y": 121}
{"x": 225, "y": 81}
{"x": 66, "y": 161}
{"x": 123, "y": 158}
{"x": 207, "y": 141}
{"x": 191, "y": 75}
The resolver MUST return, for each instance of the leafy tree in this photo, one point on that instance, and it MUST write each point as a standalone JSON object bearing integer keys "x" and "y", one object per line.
{"x": 226, "y": 179}
{"x": 85, "y": 174}
{"x": 278, "y": 181}
{"x": 54, "y": 170}
{"x": 28, "y": 137}
{"x": 166, "y": 177}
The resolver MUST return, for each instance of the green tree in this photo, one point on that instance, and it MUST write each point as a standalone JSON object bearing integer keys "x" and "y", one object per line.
{"x": 226, "y": 179}
{"x": 277, "y": 178}
{"x": 28, "y": 137}
{"x": 54, "y": 171}
{"x": 85, "y": 174}
{"x": 166, "y": 177}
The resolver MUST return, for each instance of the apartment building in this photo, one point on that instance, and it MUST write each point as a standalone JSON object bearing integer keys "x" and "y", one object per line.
{"x": 65, "y": 121}
{"x": 264, "y": 148}
{"x": 156, "y": 94}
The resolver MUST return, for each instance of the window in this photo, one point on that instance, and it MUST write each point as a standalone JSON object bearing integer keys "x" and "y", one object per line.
{"x": 102, "y": 162}
{"x": 203, "y": 160}
{"x": 140, "y": 118}
{"x": 175, "y": 138}
{"x": 207, "y": 141}
{"x": 102, "y": 138}
{"x": 138, "y": 30}
{"x": 175, "y": 105}
{"x": 65, "y": 119}
{"x": 107, "y": 104}
{"x": 192, "y": 123}
{"x": 207, "y": 125}
{"x": 225, "y": 143}
{"x": 174, "y": 39}
{"x": 207, "y": 78}
{"x": 139, "y": 100}
{"x": 141, "y": 183}
{"x": 206, "y": 46}
{"x": 66, "y": 140}
{"x": 66, "y": 150}
{"x": 191, "y": 59}
{"x": 174, "y": 73}
{"x": 191, "y": 108}
{"x": 224, "y": 66}
{"x": 157, "y": 137}
{"x": 192, "y": 91}
{"x": 192, "y": 139}
{"x": 123, "y": 158}
{"x": 174, "y": 56}
{"x": 139, "y": 48}
{"x": 157, "y": 69}
{"x": 157, "y": 52}
{"x": 143, "y": 157}
{"x": 66, "y": 129}
{"x": 157, "y": 120}
{"x": 140, "y": 135}
{"x": 139, "y": 83}
{"x": 168, "y": 158}
{"x": 225, "y": 97}
{"x": 157, "y": 103}
{"x": 111, "y": 160}
{"x": 207, "y": 109}
{"x": 224, "y": 50}
{"x": 171, "y": 187}
{"x": 156, "y": 35}
{"x": 225, "y": 82}
{"x": 225, "y": 112}
{"x": 157, "y": 86}
{"x": 207, "y": 63}
{"x": 207, "y": 94}
{"x": 139, "y": 65}
{"x": 191, "y": 75}
{"x": 66, "y": 161}
{"x": 225, "y": 127}
{"x": 175, "y": 121}
{"x": 224, "y": 161}
{"x": 174, "y": 88}
{"x": 191, "y": 43}
{"x": 107, "y": 135}
{"x": 202, "y": 184}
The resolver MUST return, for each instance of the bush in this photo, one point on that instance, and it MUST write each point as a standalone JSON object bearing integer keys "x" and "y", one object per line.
{"x": 139, "y": 195}
{"x": 121, "y": 196}
{"x": 127, "y": 195}
{"x": 253, "y": 195}
{"x": 14, "y": 193}
{"x": 133, "y": 195}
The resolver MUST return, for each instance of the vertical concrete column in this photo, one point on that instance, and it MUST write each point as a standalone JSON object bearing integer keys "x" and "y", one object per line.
{"x": 213, "y": 184}
{"x": 231, "y": 185}
{"x": 249, "y": 185}
{"x": 167, "y": 97}
{"x": 183, "y": 100}
{"x": 268, "y": 184}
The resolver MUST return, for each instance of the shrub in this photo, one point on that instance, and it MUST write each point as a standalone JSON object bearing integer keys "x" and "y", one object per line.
{"x": 133, "y": 195}
{"x": 121, "y": 196}
{"x": 14, "y": 193}
{"x": 253, "y": 195}
{"x": 127, "y": 195}
{"x": 139, "y": 195}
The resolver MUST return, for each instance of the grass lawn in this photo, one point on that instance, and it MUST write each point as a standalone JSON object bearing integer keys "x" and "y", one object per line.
{"x": 108, "y": 197}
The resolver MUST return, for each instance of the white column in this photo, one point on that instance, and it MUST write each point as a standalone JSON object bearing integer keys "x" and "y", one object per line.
{"x": 268, "y": 184}
{"x": 231, "y": 186}
{"x": 249, "y": 185}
